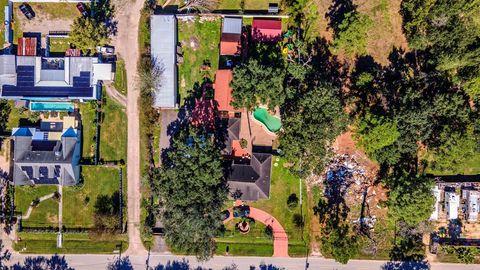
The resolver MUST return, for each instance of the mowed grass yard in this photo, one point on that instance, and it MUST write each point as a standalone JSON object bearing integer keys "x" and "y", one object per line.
{"x": 44, "y": 214}
{"x": 79, "y": 201}
{"x": 283, "y": 184}
{"x": 46, "y": 243}
{"x": 255, "y": 242}
{"x": 3, "y": 3}
{"x": 58, "y": 46}
{"x": 120, "y": 82}
{"x": 248, "y": 4}
{"x": 200, "y": 42}
{"x": 113, "y": 130}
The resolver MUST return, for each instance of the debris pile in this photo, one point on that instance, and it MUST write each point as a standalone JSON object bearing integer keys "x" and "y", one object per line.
{"x": 343, "y": 174}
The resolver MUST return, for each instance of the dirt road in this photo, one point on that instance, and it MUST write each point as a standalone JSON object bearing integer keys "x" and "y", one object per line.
{"x": 113, "y": 93}
{"x": 126, "y": 44}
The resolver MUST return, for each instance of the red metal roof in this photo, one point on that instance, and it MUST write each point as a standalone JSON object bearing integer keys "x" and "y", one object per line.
{"x": 230, "y": 44}
{"x": 266, "y": 30}
{"x": 223, "y": 91}
{"x": 27, "y": 46}
{"x": 72, "y": 52}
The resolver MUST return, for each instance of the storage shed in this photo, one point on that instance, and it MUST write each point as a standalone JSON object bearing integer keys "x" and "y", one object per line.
{"x": 163, "y": 50}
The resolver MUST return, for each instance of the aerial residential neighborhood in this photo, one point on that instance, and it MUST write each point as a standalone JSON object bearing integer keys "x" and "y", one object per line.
{"x": 239, "y": 134}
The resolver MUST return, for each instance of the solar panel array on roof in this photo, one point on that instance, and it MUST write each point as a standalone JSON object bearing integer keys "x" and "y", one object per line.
{"x": 43, "y": 170}
{"x": 25, "y": 76}
{"x": 83, "y": 80}
{"x": 47, "y": 92}
{"x": 43, "y": 145}
{"x": 28, "y": 170}
{"x": 47, "y": 181}
{"x": 56, "y": 171}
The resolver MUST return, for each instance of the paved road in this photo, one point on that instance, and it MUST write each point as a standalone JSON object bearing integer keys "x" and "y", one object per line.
{"x": 126, "y": 44}
{"x": 84, "y": 262}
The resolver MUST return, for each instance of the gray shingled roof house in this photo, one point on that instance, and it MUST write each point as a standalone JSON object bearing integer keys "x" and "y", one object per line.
{"x": 247, "y": 177}
{"x": 46, "y": 155}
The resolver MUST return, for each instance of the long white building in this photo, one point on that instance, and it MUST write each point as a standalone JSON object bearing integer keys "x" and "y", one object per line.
{"x": 163, "y": 52}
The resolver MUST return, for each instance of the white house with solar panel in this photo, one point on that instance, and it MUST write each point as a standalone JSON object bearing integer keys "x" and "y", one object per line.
{"x": 52, "y": 78}
{"x": 48, "y": 155}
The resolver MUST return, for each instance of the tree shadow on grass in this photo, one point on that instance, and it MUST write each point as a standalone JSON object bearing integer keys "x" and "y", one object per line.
{"x": 336, "y": 12}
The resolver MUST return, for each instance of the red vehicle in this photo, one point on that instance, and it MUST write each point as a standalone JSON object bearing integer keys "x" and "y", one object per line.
{"x": 82, "y": 9}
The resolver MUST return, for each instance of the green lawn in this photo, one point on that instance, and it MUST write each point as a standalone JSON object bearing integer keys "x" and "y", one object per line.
{"x": 247, "y": 4}
{"x": 113, "y": 131}
{"x": 45, "y": 243}
{"x": 229, "y": 5}
{"x": 45, "y": 214}
{"x": 470, "y": 167}
{"x": 87, "y": 111}
{"x": 258, "y": 4}
{"x": 79, "y": 201}
{"x": 3, "y": 3}
{"x": 22, "y": 117}
{"x": 120, "y": 82}
{"x": 55, "y": 10}
{"x": 205, "y": 38}
{"x": 284, "y": 183}
{"x": 58, "y": 46}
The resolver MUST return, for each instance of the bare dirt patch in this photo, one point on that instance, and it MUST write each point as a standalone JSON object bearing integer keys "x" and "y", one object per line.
{"x": 52, "y": 218}
{"x": 386, "y": 32}
{"x": 48, "y": 17}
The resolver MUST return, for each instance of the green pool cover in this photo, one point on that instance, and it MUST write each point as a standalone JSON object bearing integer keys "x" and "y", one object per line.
{"x": 271, "y": 122}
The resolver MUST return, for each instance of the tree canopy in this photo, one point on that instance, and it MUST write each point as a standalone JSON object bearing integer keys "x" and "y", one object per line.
{"x": 192, "y": 190}
{"x": 254, "y": 83}
{"x": 351, "y": 36}
{"x": 450, "y": 32}
{"x": 375, "y": 133}
{"x": 410, "y": 199}
{"x": 88, "y": 33}
{"x": 310, "y": 124}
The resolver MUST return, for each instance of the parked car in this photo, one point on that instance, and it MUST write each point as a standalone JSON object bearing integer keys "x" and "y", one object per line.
{"x": 82, "y": 9}
{"x": 106, "y": 50}
{"x": 27, "y": 11}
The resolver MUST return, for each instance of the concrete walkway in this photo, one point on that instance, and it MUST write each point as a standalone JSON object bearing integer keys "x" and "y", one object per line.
{"x": 41, "y": 199}
{"x": 280, "y": 237}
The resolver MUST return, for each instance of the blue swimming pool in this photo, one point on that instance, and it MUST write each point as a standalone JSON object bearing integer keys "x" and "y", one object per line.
{"x": 52, "y": 106}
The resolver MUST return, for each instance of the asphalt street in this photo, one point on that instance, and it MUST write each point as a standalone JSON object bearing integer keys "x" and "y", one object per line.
{"x": 84, "y": 262}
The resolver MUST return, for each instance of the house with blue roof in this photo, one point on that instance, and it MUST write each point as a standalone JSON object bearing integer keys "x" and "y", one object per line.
{"x": 49, "y": 154}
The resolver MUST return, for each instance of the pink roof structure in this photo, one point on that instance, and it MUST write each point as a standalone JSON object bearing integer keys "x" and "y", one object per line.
{"x": 266, "y": 30}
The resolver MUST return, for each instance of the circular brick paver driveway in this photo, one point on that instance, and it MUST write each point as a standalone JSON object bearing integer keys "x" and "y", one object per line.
{"x": 280, "y": 237}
